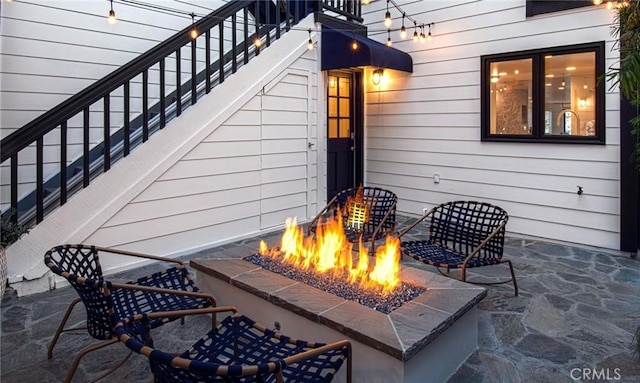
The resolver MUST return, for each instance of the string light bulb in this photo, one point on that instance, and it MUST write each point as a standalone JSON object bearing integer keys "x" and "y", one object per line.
{"x": 112, "y": 15}
{"x": 403, "y": 30}
{"x": 415, "y": 32}
{"x": 194, "y": 32}
{"x": 597, "y": 2}
{"x": 258, "y": 41}
{"x": 422, "y": 36}
{"x": 429, "y": 34}
{"x": 387, "y": 17}
{"x": 389, "y": 37}
{"x": 310, "y": 42}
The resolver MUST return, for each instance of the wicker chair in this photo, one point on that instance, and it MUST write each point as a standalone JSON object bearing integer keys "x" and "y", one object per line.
{"x": 367, "y": 213}
{"x": 462, "y": 234}
{"x": 237, "y": 350}
{"x": 106, "y": 302}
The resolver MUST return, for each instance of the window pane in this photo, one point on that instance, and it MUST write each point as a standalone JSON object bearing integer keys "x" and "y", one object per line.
{"x": 343, "y": 87}
{"x": 333, "y": 107}
{"x": 333, "y": 128}
{"x": 333, "y": 86}
{"x": 345, "y": 131}
{"x": 569, "y": 94}
{"x": 510, "y": 97}
{"x": 344, "y": 107}
{"x": 544, "y": 95}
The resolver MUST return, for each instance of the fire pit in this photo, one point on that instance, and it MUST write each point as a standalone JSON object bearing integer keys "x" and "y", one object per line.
{"x": 327, "y": 262}
{"x": 384, "y": 303}
{"x": 425, "y": 338}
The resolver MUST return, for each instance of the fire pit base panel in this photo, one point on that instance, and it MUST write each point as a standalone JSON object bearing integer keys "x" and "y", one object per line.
{"x": 426, "y": 339}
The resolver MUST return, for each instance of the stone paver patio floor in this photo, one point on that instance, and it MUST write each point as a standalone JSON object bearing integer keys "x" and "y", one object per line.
{"x": 576, "y": 314}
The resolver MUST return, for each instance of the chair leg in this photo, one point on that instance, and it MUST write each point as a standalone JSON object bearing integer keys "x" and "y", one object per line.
{"x": 349, "y": 365}
{"x": 513, "y": 276}
{"x": 61, "y": 328}
{"x": 85, "y": 351}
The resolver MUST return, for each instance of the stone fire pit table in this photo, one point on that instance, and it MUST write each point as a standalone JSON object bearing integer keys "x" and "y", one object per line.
{"x": 424, "y": 340}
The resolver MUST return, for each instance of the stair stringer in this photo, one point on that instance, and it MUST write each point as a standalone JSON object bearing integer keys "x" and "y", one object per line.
{"x": 91, "y": 208}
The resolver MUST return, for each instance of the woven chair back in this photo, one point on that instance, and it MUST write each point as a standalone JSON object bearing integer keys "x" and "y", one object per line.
{"x": 462, "y": 225}
{"x": 373, "y": 204}
{"x": 80, "y": 265}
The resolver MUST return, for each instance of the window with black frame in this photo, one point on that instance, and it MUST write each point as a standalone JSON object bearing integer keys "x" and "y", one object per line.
{"x": 545, "y": 95}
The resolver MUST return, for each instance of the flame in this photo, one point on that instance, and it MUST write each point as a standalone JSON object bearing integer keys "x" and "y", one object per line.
{"x": 331, "y": 253}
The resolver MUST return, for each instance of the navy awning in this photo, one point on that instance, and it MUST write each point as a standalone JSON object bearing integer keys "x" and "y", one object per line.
{"x": 337, "y": 52}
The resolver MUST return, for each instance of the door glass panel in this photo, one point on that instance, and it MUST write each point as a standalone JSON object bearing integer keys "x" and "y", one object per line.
{"x": 333, "y": 88}
{"x": 569, "y": 94}
{"x": 333, "y": 107}
{"x": 333, "y": 128}
{"x": 345, "y": 110}
{"x": 345, "y": 130}
{"x": 343, "y": 87}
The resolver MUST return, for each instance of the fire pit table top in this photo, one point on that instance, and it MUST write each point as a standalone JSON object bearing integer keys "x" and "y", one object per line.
{"x": 401, "y": 333}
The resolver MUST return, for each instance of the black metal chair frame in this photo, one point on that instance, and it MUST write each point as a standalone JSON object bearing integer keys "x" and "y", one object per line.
{"x": 237, "y": 350}
{"x": 463, "y": 235}
{"x": 379, "y": 206}
{"x": 107, "y": 302}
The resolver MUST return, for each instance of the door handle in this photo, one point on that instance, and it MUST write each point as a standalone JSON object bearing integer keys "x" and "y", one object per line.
{"x": 310, "y": 144}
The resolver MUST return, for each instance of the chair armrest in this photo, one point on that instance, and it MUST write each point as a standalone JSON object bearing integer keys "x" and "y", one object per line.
{"x": 182, "y": 313}
{"x": 314, "y": 222}
{"x": 319, "y": 351}
{"x": 424, "y": 215}
{"x": 384, "y": 219}
{"x": 139, "y": 255}
{"x": 484, "y": 242}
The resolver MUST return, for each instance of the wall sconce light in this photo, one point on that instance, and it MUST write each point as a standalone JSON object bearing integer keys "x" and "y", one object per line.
{"x": 377, "y": 76}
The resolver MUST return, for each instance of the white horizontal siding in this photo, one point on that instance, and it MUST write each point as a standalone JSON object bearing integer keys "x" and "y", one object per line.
{"x": 429, "y": 122}
{"x": 253, "y": 169}
{"x": 286, "y": 119}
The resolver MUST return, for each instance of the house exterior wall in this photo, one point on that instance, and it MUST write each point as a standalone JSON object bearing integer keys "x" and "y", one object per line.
{"x": 234, "y": 165}
{"x": 429, "y": 122}
{"x": 248, "y": 175}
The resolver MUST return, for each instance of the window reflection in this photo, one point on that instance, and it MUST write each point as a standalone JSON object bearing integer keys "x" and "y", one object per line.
{"x": 569, "y": 94}
{"x": 511, "y": 90}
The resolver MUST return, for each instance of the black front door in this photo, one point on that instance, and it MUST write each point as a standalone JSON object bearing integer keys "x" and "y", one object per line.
{"x": 344, "y": 132}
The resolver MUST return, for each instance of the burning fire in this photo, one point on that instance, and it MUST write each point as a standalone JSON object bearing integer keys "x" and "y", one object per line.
{"x": 331, "y": 253}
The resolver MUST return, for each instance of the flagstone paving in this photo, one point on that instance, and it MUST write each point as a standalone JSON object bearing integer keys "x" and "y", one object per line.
{"x": 573, "y": 321}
